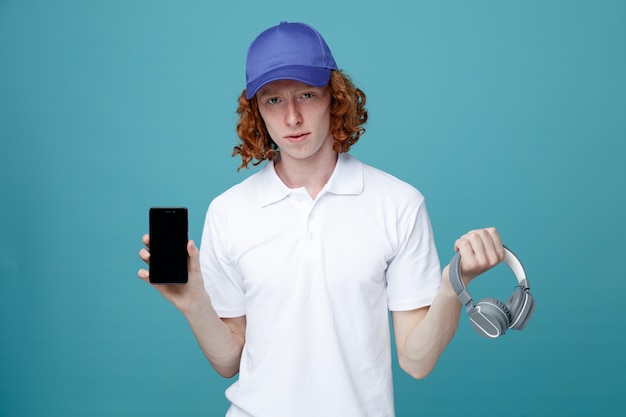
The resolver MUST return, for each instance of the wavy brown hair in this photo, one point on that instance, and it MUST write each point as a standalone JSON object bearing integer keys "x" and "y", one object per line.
{"x": 347, "y": 117}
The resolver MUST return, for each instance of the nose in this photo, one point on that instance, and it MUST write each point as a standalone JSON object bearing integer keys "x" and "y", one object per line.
{"x": 293, "y": 117}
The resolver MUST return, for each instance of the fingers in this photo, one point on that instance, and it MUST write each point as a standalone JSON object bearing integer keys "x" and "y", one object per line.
{"x": 144, "y": 275}
{"x": 144, "y": 254}
{"x": 193, "y": 265}
{"x": 484, "y": 243}
{"x": 480, "y": 250}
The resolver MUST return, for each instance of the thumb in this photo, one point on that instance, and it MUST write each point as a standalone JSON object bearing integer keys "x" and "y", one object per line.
{"x": 192, "y": 250}
{"x": 194, "y": 256}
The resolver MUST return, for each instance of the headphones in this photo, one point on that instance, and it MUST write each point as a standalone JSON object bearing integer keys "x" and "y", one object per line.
{"x": 490, "y": 317}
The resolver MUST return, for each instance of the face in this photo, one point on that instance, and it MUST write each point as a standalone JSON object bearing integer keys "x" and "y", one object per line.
{"x": 297, "y": 117}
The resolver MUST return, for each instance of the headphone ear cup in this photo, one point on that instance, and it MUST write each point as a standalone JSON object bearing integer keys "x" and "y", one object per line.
{"x": 521, "y": 306}
{"x": 490, "y": 318}
{"x": 515, "y": 304}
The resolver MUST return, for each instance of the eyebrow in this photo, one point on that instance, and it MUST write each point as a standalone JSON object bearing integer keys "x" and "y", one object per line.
{"x": 266, "y": 92}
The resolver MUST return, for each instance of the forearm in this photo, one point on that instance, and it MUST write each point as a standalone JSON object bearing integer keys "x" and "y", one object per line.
{"x": 425, "y": 342}
{"x": 423, "y": 334}
{"x": 221, "y": 341}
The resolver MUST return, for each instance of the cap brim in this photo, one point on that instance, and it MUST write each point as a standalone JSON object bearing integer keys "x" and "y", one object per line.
{"x": 317, "y": 77}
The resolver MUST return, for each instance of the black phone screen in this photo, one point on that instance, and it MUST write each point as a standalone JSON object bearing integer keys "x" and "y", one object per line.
{"x": 168, "y": 245}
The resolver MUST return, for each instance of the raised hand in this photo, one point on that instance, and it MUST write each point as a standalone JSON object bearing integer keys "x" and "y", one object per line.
{"x": 181, "y": 295}
{"x": 480, "y": 251}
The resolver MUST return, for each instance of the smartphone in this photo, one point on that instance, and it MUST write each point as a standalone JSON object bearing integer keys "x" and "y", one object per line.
{"x": 168, "y": 245}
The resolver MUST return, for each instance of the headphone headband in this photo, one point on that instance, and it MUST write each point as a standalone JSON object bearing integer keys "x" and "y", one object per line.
{"x": 491, "y": 318}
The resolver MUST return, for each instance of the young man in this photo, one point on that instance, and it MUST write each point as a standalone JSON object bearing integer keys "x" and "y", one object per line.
{"x": 301, "y": 262}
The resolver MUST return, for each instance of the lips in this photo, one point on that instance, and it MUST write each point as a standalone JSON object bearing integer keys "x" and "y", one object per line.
{"x": 298, "y": 137}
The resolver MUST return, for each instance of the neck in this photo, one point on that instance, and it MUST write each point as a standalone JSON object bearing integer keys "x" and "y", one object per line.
{"x": 311, "y": 174}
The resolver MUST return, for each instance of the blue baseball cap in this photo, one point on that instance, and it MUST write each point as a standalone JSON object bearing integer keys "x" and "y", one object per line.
{"x": 288, "y": 51}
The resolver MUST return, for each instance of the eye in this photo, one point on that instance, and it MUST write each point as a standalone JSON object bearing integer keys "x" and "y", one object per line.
{"x": 273, "y": 100}
{"x": 307, "y": 95}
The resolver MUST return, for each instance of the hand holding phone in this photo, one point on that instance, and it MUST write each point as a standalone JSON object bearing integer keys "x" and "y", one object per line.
{"x": 168, "y": 245}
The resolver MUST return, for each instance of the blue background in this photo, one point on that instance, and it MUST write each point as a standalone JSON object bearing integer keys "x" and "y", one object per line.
{"x": 503, "y": 113}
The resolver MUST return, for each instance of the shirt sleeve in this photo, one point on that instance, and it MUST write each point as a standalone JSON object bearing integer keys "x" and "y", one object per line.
{"x": 414, "y": 275}
{"x": 222, "y": 280}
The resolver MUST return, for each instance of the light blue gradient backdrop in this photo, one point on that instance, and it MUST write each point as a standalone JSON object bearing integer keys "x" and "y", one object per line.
{"x": 502, "y": 113}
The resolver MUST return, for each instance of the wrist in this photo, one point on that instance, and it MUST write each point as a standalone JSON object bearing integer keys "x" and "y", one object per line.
{"x": 446, "y": 290}
{"x": 196, "y": 303}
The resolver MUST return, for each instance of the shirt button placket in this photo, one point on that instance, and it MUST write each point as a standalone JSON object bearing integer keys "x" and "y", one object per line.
{"x": 311, "y": 233}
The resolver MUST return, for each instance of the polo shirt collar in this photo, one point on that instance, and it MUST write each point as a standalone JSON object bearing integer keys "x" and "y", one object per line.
{"x": 347, "y": 179}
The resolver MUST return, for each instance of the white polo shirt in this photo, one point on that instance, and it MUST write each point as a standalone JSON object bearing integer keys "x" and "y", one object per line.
{"x": 315, "y": 280}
